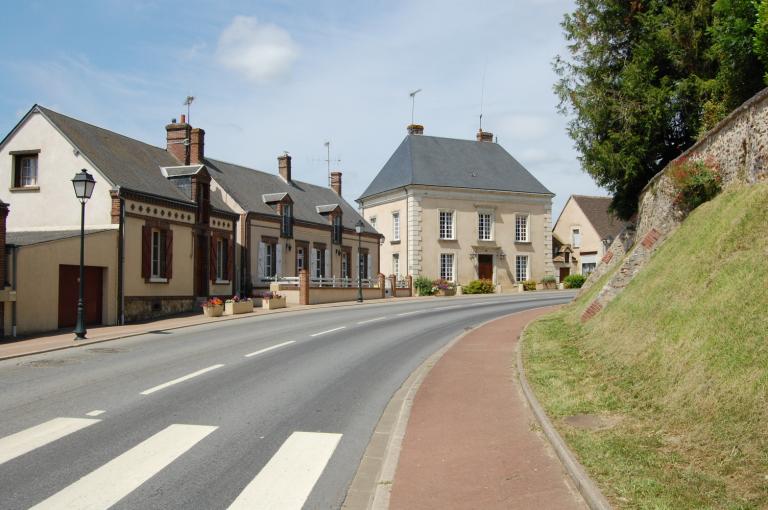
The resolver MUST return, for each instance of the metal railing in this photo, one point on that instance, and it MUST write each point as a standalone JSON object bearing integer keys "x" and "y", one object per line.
{"x": 326, "y": 282}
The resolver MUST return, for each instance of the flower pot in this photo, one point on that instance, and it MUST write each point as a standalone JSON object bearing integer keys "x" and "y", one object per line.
{"x": 274, "y": 303}
{"x": 213, "y": 310}
{"x": 446, "y": 292}
{"x": 234, "y": 308}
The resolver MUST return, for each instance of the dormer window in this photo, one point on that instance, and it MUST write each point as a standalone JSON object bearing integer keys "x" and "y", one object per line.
{"x": 338, "y": 229}
{"x": 286, "y": 222}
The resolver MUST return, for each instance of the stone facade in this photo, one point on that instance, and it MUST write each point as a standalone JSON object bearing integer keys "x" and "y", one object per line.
{"x": 144, "y": 308}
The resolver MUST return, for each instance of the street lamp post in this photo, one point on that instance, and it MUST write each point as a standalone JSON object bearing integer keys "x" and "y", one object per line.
{"x": 83, "y": 183}
{"x": 359, "y": 229}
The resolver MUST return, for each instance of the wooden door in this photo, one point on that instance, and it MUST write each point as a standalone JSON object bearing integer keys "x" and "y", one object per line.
{"x": 564, "y": 271}
{"x": 69, "y": 277}
{"x": 485, "y": 267}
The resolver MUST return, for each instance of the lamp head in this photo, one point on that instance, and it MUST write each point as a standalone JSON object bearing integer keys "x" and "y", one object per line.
{"x": 83, "y": 182}
{"x": 359, "y": 226}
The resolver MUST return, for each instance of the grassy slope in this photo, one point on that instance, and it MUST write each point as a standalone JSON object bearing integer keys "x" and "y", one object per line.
{"x": 679, "y": 360}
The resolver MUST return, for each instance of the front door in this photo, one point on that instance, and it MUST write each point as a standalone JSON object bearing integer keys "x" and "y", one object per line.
{"x": 69, "y": 281}
{"x": 485, "y": 267}
{"x": 564, "y": 271}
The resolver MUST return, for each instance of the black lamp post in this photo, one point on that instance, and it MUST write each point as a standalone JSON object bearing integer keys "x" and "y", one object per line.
{"x": 359, "y": 229}
{"x": 83, "y": 183}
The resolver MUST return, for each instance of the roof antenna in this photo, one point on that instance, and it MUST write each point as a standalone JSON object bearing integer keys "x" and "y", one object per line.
{"x": 482, "y": 92}
{"x": 413, "y": 102}
{"x": 188, "y": 103}
{"x": 328, "y": 160}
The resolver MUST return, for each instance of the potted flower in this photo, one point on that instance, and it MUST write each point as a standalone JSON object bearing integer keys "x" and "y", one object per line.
{"x": 273, "y": 301}
{"x": 549, "y": 281}
{"x": 444, "y": 288}
{"x": 213, "y": 307}
{"x": 235, "y": 305}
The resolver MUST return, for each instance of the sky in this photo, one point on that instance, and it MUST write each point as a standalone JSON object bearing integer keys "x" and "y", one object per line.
{"x": 275, "y": 76}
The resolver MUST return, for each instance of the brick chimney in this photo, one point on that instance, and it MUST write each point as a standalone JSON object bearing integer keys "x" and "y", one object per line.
{"x": 415, "y": 129}
{"x": 176, "y": 134}
{"x": 484, "y": 136}
{"x": 284, "y": 166}
{"x": 336, "y": 182}
{"x": 197, "y": 146}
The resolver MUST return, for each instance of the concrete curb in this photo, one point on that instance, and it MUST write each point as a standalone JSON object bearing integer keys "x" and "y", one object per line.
{"x": 588, "y": 489}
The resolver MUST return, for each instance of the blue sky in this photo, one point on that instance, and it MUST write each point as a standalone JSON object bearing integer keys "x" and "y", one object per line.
{"x": 274, "y": 76}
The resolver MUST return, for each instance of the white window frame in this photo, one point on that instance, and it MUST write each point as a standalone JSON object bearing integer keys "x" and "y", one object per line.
{"x": 300, "y": 255}
{"x": 157, "y": 255}
{"x": 396, "y": 226}
{"x": 28, "y": 176}
{"x": 527, "y": 237}
{"x": 576, "y": 237}
{"x": 319, "y": 262}
{"x": 221, "y": 254}
{"x": 396, "y": 264}
{"x": 481, "y": 227}
{"x": 372, "y": 221}
{"x": 445, "y": 265}
{"x": 444, "y": 233}
{"x": 527, "y": 259}
{"x": 344, "y": 264}
{"x": 269, "y": 254}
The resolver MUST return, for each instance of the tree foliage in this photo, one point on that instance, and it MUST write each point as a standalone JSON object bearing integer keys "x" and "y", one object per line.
{"x": 644, "y": 78}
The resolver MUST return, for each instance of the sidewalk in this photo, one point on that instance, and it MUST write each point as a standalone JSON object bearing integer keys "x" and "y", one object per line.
{"x": 470, "y": 441}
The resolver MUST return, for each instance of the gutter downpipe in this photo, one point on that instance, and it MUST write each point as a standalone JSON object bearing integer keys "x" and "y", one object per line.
{"x": 15, "y": 272}
{"x": 121, "y": 263}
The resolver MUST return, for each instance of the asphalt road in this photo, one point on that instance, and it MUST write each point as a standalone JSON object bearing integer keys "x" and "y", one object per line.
{"x": 264, "y": 412}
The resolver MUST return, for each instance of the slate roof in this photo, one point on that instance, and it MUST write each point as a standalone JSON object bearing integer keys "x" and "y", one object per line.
{"x": 248, "y": 187}
{"x": 450, "y": 162}
{"x": 596, "y": 211}
{"x": 27, "y": 237}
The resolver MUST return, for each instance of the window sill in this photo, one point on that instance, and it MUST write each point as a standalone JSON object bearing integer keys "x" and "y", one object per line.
{"x": 22, "y": 189}
{"x": 523, "y": 242}
{"x": 395, "y": 241}
{"x": 221, "y": 282}
{"x": 487, "y": 241}
{"x": 447, "y": 239}
{"x": 156, "y": 279}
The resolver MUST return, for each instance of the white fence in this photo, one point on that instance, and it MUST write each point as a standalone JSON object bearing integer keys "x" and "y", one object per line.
{"x": 332, "y": 282}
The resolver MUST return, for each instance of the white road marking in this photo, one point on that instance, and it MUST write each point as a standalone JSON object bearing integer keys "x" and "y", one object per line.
{"x": 95, "y": 412}
{"x": 40, "y": 435}
{"x": 372, "y": 320}
{"x": 328, "y": 331}
{"x": 262, "y": 351}
{"x": 410, "y": 313}
{"x": 180, "y": 379}
{"x": 114, "y": 480}
{"x": 286, "y": 481}
{"x": 447, "y": 307}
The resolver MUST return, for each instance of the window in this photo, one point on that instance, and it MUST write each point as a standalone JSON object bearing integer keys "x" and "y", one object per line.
{"x": 446, "y": 225}
{"x": 286, "y": 223}
{"x": 484, "y": 223}
{"x": 587, "y": 268}
{"x": 576, "y": 238}
{"x": 446, "y": 266}
{"x": 567, "y": 257}
{"x": 222, "y": 259}
{"x": 270, "y": 260}
{"x": 396, "y": 264}
{"x": 299, "y": 259}
{"x": 363, "y": 264}
{"x": 395, "y": 226}
{"x": 25, "y": 171}
{"x": 184, "y": 184}
{"x": 337, "y": 229}
{"x": 345, "y": 264}
{"x": 521, "y": 228}
{"x": 521, "y": 268}
{"x": 157, "y": 254}
{"x": 319, "y": 262}
{"x": 372, "y": 221}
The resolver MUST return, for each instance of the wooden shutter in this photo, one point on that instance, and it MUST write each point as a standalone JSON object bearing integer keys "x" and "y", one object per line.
{"x": 168, "y": 234}
{"x": 278, "y": 248}
{"x": 212, "y": 265}
{"x": 146, "y": 251}
{"x": 230, "y": 260}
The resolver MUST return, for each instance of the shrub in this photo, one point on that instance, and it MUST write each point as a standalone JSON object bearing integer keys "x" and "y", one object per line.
{"x": 550, "y": 278}
{"x": 574, "y": 281}
{"x": 696, "y": 182}
{"x": 478, "y": 287}
{"x": 424, "y": 286}
{"x": 529, "y": 285}
{"x": 441, "y": 284}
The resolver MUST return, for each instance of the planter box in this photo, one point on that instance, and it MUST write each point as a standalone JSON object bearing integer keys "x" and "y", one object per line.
{"x": 273, "y": 303}
{"x": 232, "y": 308}
{"x": 213, "y": 311}
{"x": 446, "y": 292}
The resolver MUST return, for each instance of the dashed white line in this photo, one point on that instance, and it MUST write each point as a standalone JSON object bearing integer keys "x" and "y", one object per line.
{"x": 267, "y": 349}
{"x": 410, "y": 313}
{"x": 180, "y": 379}
{"x": 328, "y": 331}
{"x": 95, "y": 412}
{"x": 372, "y": 320}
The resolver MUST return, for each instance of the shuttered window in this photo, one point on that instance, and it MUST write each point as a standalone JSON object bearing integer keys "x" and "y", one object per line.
{"x": 156, "y": 254}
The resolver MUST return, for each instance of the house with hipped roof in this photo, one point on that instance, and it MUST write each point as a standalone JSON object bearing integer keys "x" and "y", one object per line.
{"x": 165, "y": 226}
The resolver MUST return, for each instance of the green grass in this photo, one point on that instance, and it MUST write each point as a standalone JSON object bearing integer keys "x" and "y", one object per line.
{"x": 679, "y": 361}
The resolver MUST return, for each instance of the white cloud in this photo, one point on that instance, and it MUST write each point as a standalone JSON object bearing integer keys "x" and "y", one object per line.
{"x": 259, "y": 51}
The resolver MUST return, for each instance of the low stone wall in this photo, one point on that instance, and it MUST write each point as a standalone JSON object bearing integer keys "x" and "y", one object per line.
{"x": 139, "y": 308}
{"x": 738, "y": 146}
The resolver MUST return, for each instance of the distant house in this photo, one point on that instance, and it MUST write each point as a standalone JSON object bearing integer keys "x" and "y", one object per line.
{"x": 460, "y": 210}
{"x": 582, "y": 234}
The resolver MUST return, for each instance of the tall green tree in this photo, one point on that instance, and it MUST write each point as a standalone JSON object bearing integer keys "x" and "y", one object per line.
{"x": 644, "y": 78}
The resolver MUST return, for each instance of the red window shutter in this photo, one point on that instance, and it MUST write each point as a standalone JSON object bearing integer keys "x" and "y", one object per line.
{"x": 213, "y": 258}
{"x": 230, "y": 259}
{"x": 146, "y": 251}
{"x": 168, "y": 253}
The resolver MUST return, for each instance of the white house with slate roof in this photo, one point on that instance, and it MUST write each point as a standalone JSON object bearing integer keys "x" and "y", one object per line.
{"x": 460, "y": 210}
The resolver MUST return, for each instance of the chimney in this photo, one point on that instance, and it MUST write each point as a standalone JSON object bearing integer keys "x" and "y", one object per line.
{"x": 415, "y": 129}
{"x": 197, "y": 146}
{"x": 176, "y": 135}
{"x": 336, "y": 182}
{"x": 284, "y": 165}
{"x": 484, "y": 136}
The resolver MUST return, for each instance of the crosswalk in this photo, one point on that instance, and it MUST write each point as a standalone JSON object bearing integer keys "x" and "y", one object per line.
{"x": 284, "y": 483}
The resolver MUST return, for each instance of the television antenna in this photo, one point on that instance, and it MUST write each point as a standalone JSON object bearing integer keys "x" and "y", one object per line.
{"x": 413, "y": 102}
{"x": 328, "y": 160}
{"x": 188, "y": 103}
{"x": 482, "y": 92}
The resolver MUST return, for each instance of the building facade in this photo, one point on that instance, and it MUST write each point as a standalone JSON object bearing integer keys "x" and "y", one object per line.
{"x": 460, "y": 210}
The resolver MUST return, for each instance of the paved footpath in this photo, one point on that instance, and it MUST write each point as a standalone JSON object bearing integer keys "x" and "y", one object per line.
{"x": 470, "y": 442}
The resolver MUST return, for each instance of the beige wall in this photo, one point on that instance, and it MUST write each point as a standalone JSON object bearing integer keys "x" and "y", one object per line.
{"x": 383, "y": 214}
{"x": 329, "y": 295}
{"x": 37, "y": 295}
{"x": 54, "y": 205}
{"x": 573, "y": 217}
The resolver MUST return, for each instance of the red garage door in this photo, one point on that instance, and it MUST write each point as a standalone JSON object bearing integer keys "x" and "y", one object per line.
{"x": 69, "y": 277}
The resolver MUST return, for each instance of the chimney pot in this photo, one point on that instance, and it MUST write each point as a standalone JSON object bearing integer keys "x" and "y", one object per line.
{"x": 484, "y": 136}
{"x": 176, "y": 134}
{"x": 183, "y": 119}
{"x": 415, "y": 129}
{"x": 336, "y": 182}
{"x": 284, "y": 167}
{"x": 197, "y": 146}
